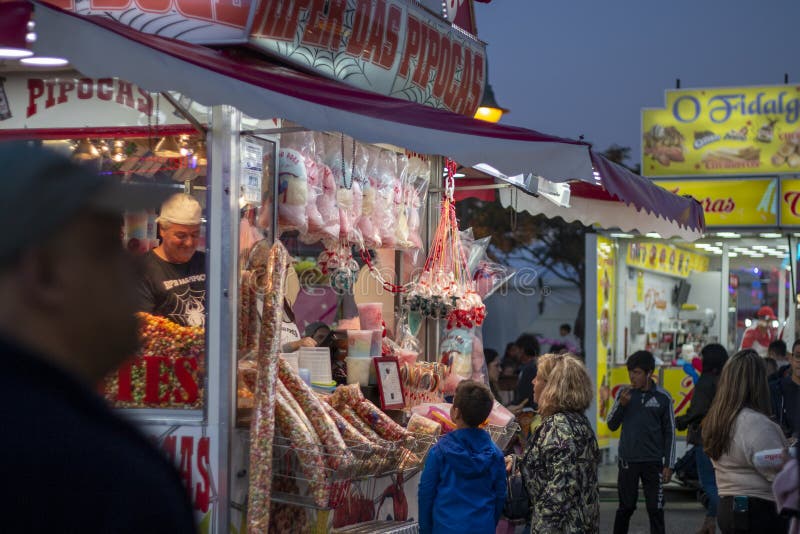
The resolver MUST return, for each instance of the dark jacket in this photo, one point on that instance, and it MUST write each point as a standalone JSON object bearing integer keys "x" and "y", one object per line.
{"x": 560, "y": 473}
{"x": 71, "y": 465}
{"x": 648, "y": 426}
{"x": 524, "y": 388}
{"x": 703, "y": 394}
{"x": 785, "y": 396}
{"x": 463, "y": 486}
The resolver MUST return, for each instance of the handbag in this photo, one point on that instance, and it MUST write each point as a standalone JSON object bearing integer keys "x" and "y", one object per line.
{"x": 517, "y": 505}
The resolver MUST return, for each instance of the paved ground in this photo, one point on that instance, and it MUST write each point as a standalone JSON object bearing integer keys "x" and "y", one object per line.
{"x": 684, "y": 514}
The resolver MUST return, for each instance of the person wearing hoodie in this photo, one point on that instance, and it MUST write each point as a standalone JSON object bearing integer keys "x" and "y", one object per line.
{"x": 646, "y": 444}
{"x": 463, "y": 485}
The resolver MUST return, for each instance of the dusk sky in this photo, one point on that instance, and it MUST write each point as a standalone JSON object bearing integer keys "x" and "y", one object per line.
{"x": 588, "y": 67}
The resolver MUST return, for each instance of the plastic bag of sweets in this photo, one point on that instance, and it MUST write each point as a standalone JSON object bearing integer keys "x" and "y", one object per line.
{"x": 384, "y": 168}
{"x": 292, "y": 190}
{"x": 365, "y": 225}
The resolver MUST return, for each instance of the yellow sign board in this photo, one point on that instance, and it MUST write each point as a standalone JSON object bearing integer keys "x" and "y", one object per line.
{"x": 790, "y": 202}
{"x": 665, "y": 258}
{"x": 723, "y": 131}
{"x": 731, "y": 202}
{"x": 606, "y": 282}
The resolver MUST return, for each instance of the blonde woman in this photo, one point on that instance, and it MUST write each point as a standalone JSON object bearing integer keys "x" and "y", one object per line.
{"x": 736, "y": 428}
{"x": 560, "y": 464}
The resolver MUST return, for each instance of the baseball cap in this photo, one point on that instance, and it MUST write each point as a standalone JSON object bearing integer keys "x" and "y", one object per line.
{"x": 765, "y": 312}
{"x": 40, "y": 190}
{"x": 182, "y": 209}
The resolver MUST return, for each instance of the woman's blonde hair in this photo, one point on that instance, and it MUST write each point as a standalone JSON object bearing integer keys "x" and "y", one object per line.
{"x": 567, "y": 386}
{"x": 742, "y": 384}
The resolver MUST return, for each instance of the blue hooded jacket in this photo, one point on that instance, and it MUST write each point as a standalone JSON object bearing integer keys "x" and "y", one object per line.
{"x": 463, "y": 485}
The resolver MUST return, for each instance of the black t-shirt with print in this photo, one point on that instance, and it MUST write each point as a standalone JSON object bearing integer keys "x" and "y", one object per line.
{"x": 176, "y": 291}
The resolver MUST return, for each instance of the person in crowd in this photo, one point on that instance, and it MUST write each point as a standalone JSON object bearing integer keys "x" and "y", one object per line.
{"x": 558, "y": 348}
{"x": 317, "y": 331}
{"x": 290, "y": 334}
{"x": 646, "y": 445}
{"x": 713, "y": 357}
{"x": 568, "y": 339}
{"x": 67, "y": 319}
{"x": 761, "y": 333}
{"x": 493, "y": 371}
{"x": 785, "y": 396}
{"x": 736, "y": 428}
{"x": 173, "y": 275}
{"x": 523, "y": 394}
{"x": 777, "y": 351}
{"x": 772, "y": 367}
{"x": 510, "y": 364}
{"x": 560, "y": 464}
{"x": 463, "y": 484}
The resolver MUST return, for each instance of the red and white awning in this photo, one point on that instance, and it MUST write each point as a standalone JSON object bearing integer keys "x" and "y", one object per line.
{"x": 98, "y": 46}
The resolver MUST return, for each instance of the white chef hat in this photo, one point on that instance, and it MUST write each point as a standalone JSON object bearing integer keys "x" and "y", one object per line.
{"x": 181, "y": 209}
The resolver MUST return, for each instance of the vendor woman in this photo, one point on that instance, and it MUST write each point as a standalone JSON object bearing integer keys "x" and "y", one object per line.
{"x": 290, "y": 334}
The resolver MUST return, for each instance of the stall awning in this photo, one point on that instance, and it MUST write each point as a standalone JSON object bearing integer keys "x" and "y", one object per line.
{"x": 99, "y": 46}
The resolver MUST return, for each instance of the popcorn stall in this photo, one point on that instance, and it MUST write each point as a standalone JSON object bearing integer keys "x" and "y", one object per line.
{"x": 322, "y": 203}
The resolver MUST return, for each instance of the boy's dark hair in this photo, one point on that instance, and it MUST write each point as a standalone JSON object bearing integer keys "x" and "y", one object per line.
{"x": 558, "y": 348}
{"x": 528, "y": 344}
{"x": 474, "y": 400}
{"x": 714, "y": 357}
{"x": 566, "y": 327}
{"x": 641, "y": 359}
{"x": 778, "y": 348}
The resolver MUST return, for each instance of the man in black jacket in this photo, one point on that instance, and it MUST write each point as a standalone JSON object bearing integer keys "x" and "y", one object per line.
{"x": 66, "y": 320}
{"x": 647, "y": 443}
{"x": 785, "y": 394}
{"x": 714, "y": 357}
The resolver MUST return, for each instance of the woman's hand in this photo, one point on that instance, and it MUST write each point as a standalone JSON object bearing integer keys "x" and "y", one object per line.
{"x": 305, "y": 342}
{"x": 509, "y": 462}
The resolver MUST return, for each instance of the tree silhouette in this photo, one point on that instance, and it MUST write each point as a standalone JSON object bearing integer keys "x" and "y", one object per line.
{"x": 549, "y": 244}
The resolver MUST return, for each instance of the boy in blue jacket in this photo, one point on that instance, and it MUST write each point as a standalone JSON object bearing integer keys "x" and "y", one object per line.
{"x": 463, "y": 485}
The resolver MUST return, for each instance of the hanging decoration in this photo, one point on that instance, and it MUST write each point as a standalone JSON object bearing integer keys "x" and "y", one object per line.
{"x": 445, "y": 289}
{"x": 337, "y": 262}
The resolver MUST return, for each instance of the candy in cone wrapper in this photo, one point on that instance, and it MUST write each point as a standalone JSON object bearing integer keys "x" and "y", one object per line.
{"x": 273, "y": 262}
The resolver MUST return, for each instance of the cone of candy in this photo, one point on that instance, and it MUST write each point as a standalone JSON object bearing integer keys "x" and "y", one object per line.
{"x": 445, "y": 289}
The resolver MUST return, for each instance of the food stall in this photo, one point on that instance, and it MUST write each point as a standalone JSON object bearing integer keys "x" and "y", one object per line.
{"x": 733, "y": 150}
{"x": 181, "y": 129}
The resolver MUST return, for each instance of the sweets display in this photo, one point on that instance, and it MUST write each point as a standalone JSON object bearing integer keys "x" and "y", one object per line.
{"x": 274, "y": 264}
{"x": 168, "y": 370}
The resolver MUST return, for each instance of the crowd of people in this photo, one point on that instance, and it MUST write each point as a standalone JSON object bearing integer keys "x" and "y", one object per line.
{"x": 744, "y": 408}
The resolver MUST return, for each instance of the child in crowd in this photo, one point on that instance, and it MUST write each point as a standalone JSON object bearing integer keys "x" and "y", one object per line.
{"x": 463, "y": 485}
{"x": 646, "y": 445}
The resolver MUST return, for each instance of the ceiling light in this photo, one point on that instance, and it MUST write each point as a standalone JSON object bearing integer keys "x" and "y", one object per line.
{"x": 782, "y": 247}
{"x": 621, "y": 236}
{"x": 654, "y": 235}
{"x": 739, "y": 249}
{"x": 702, "y": 245}
{"x": 168, "y": 148}
{"x": 39, "y": 61}
{"x": 760, "y": 247}
{"x": 85, "y": 151}
{"x": 14, "y": 53}
{"x": 459, "y": 175}
{"x": 756, "y": 255}
{"x": 732, "y": 254}
{"x": 770, "y": 235}
{"x": 731, "y": 235}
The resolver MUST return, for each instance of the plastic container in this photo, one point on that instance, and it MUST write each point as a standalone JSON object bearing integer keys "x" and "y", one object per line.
{"x": 772, "y": 458}
{"x": 375, "y": 348}
{"x": 305, "y": 374}
{"x": 318, "y": 361}
{"x": 371, "y": 315}
{"x": 293, "y": 359}
{"x": 358, "y": 370}
{"x": 359, "y": 343}
{"x": 406, "y": 356}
